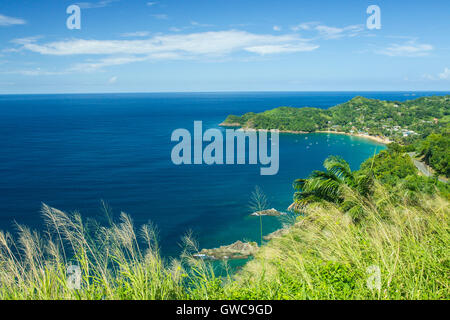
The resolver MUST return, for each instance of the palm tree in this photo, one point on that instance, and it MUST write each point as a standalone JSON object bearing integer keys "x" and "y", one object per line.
{"x": 329, "y": 186}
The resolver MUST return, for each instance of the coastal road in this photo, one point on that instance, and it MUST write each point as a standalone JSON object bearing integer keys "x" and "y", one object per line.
{"x": 422, "y": 167}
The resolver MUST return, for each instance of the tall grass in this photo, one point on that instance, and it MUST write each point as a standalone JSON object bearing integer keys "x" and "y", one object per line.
{"x": 325, "y": 255}
{"x": 328, "y": 256}
{"x": 258, "y": 203}
{"x": 115, "y": 262}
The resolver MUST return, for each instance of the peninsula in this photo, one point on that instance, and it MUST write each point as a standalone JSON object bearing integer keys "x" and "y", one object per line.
{"x": 382, "y": 121}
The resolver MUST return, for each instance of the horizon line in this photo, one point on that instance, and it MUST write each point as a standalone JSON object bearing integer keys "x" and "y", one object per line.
{"x": 224, "y": 91}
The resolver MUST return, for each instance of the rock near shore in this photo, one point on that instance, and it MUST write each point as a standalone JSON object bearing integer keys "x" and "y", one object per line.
{"x": 237, "y": 250}
{"x": 269, "y": 212}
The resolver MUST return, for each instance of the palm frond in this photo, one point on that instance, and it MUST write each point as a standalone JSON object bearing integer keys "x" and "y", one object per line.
{"x": 299, "y": 183}
{"x": 338, "y": 166}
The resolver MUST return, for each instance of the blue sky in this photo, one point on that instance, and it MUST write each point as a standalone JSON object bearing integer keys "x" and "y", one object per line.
{"x": 218, "y": 45}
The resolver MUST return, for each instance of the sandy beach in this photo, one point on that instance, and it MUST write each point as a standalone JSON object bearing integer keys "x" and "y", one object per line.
{"x": 382, "y": 140}
{"x": 379, "y": 139}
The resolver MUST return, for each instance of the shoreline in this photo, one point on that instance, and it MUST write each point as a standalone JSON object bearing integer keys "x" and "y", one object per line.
{"x": 378, "y": 139}
{"x": 365, "y": 136}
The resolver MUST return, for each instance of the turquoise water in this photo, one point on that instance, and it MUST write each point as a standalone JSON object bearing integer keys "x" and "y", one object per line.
{"x": 71, "y": 151}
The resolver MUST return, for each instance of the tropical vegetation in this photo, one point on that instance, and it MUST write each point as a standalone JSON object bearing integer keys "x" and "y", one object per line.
{"x": 435, "y": 152}
{"x": 423, "y": 123}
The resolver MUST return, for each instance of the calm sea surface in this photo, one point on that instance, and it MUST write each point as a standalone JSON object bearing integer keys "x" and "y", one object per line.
{"x": 71, "y": 151}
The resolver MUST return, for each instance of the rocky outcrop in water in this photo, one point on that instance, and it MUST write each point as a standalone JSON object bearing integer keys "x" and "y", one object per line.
{"x": 269, "y": 212}
{"x": 237, "y": 250}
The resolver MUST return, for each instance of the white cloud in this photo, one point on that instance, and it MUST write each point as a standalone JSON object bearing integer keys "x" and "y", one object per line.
{"x": 204, "y": 25}
{"x": 445, "y": 75}
{"x": 26, "y": 40}
{"x": 440, "y": 76}
{"x": 176, "y": 29}
{"x": 36, "y": 72}
{"x": 428, "y": 77}
{"x": 282, "y": 48}
{"x": 150, "y": 4}
{"x": 94, "y": 5}
{"x": 135, "y": 34}
{"x": 112, "y": 80}
{"x": 96, "y": 65}
{"x": 335, "y": 33}
{"x": 160, "y": 16}
{"x": 407, "y": 49}
{"x": 6, "y": 21}
{"x": 305, "y": 26}
{"x": 328, "y": 32}
{"x": 276, "y": 28}
{"x": 192, "y": 25}
{"x": 203, "y": 45}
{"x": 214, "y": 43}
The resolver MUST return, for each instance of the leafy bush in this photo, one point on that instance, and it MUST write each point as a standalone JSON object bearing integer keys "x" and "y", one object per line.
{"x": 435, "y": 151}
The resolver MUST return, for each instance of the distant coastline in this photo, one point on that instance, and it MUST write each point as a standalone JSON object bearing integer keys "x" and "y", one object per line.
{"x": 382, "y": 121}
{"x": 382, "y": 140}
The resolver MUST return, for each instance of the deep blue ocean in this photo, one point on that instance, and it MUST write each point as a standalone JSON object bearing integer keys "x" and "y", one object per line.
{"x": 71, "y": 151}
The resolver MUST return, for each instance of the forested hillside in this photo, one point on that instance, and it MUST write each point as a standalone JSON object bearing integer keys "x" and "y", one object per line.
{"x": 423, "y": 124}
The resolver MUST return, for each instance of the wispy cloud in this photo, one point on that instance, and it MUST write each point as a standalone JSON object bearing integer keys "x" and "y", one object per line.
{"x": 113, "y": 80}
{"x": 203, "y": 43}
{"x": 35, "y": 72}
{"x": 445, "y": 75}
{"x": 94, "y": 5}
{"x": 328, "y": 32}
{"x": 192, "y": 25}
{"x": 151, "y": 4}
{"x": 176, "y": 29}
{"x": 26, "y": 40}
{"x": 428, "y": 77}
{"x": 282, "y": 48}
{"x": 95, "y": 65}
{"x": 305, "y": 26}
{"x": 277, "y": 28}
{"x": 203, "y": 25}
{"x": 6, "y": 21}
{"x": 407, "y": 49}
{"x": 160, "y": 16}
{"x": 135, "y": 34}
{"x": 335, "y": 33}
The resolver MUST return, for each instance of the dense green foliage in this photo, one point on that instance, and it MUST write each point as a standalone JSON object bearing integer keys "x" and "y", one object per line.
{"x": 392, "y": 167}
{"x": 397, "y": 120}
{"x": 396, "y": 171}
{"x": 331, "y": 186}
{"x": 387, "y": 118}
{"x": 408, "y": 123}
{"x": 435, "y": 151}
